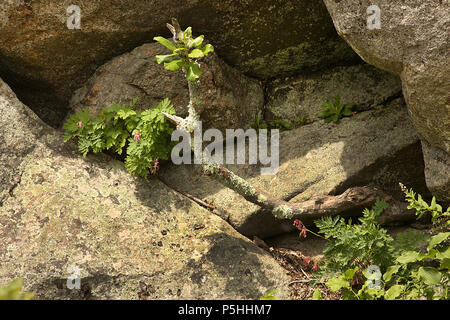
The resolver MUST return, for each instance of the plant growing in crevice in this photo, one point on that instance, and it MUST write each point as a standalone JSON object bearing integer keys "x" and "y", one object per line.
{"x": 422, "y": 208}
{"x": 259, "y": 123}
{"x": 279, "y": 124}
{"x": 144, "y": 134}
{"x": 185, "y": 50}
{"x": 302, "y": 121}
{"x": 334, "y": 111}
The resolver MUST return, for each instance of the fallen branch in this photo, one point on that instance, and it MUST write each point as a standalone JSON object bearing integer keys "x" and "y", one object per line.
{"x": 307, "y": 211}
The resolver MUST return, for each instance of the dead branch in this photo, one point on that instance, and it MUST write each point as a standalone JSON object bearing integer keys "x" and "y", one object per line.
{"x": 307, "y": 211}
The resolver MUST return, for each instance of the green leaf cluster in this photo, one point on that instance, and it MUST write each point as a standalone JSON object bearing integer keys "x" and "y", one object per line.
{"x": 422, "y": 207}
{"x": 410, "y": 240}
{"x": 270, "y": 295}
{"x": 144, "y": 134}
{"x": 407, "y": 279}
{"x": 345, "y": 284}
{"x": 185, "y": 51}
{"x": 423, "y": 274}
{"x": 334, "y": 111}
{"x": 356, "y": 245}
{"x": 413, "y": 274}
{"x": 13, "y": 291}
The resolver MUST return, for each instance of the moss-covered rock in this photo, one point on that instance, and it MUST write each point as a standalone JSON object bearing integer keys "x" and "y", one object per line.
{"x": 413, "y": 43}
{"x": 131, "y": 238}
{"x": 46, "y": 62}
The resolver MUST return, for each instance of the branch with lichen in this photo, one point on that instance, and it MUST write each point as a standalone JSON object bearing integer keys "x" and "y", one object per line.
{"x": 352, "y": 199}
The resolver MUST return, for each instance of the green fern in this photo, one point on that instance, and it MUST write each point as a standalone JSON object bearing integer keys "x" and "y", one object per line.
{"x": 356, "y": 245}
{"x": 422, "y": 207}
{"x": 145, "y": 134}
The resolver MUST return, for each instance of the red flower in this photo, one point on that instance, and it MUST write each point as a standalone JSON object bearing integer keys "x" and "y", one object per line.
{"x": 315, "y": 266}
{"x": 137, "y": 136}
{"x": 298, "y": 224}
{"x": 80, "y": 124}
{"x": 303, "y": 233}
{"x": 155, "y": 167}
{"x": 306, "y": 261}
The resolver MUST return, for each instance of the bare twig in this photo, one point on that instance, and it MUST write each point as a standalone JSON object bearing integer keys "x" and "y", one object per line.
{"x": 299, "y": 281}
{"x": 188, "y": 195}
{"x": 304, "y": 273}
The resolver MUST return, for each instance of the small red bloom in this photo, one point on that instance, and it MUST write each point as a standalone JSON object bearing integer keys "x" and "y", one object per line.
{"x": 80, "y": 124}
{"x": 306, "y": 261}
{"x": 303, "y": 233}
{"x": 298, "y": 224}
{"x": 315, "y": 266}
{"x": 155, "y": 167}
{"x": 137, "y": 136}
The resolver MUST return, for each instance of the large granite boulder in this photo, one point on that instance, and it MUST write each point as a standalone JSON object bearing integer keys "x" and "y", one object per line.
{"x": 46, "y": 61}
{"x": 377, "y": 148}
{"x": 231, "y": 100}
{"x": 437, "y": 171}
{"x": 20, "y": 130}
{"x": 129, "y": 238}
{"x": 362, "y": 85}
{"x": 412, "y": 41}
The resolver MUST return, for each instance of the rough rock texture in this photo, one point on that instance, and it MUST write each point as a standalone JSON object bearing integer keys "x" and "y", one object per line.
{"x": 131, "y": 238}
{"x": 46, "y": 61}
{"x": 413, "y": 43}
{"x": 232, "y": 100}
{"x": 20, "y": 128}
{"x": 302, "y": 95}
{"x": 437, "y": 171}
{"x": 376, "y": 148}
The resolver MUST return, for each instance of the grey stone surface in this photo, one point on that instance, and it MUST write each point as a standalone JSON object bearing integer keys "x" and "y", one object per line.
{"x": 130, "y": 238}
{"x": 20, "y": 130}
{"x": 437, "y": 171}
{"x": 302, "y": 95}
{"x": 412, "y": 42}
